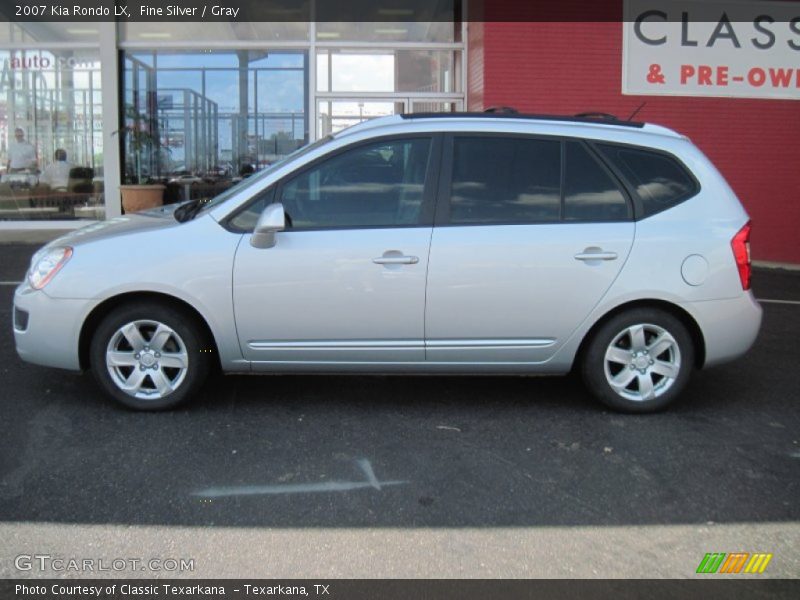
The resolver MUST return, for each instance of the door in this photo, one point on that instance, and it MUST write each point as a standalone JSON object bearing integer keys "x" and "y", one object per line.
{"x": 530, "y": 233}
{"x": 335, "y": 114}
{"x": 345, "y": 282}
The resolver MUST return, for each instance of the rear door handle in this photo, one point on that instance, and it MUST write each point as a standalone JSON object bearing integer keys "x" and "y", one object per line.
{"x": 396, "y": 260}
{"x": 595, "y": 255}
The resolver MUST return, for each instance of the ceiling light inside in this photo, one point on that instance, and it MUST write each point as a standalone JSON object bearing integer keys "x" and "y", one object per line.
{"x": 396, "y": 12}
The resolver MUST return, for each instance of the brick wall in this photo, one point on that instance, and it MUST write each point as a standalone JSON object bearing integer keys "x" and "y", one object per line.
{"x": 565, "y": 68}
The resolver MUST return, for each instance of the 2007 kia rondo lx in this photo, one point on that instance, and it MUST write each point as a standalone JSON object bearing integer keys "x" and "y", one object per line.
{"x": 461, "y": 243}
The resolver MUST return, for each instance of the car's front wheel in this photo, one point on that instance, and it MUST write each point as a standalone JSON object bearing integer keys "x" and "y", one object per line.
{"x": 149, "y": 356}
{"x": 639, "y": 360}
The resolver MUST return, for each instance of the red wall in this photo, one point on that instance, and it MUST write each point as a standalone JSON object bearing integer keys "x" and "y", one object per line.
{"x": 566, "y": 68}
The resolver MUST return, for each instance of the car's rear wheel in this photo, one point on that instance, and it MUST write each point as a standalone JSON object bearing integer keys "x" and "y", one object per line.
{"x": 639, "y": 360}
{"x": 149, "y": 356}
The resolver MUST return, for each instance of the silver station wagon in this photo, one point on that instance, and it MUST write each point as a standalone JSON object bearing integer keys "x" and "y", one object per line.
{"x": 424, "y": 243}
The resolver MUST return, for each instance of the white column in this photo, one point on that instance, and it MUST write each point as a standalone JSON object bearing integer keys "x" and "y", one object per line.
{"x": 109, "y": 69}
{"x": 312, "y": 77}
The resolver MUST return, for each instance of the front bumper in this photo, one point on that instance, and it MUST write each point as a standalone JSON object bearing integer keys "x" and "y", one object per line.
{"x": 50, "y": 336}
{"x": 729, "y": 327}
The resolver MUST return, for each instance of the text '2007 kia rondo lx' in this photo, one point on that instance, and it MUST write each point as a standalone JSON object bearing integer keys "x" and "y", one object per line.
{"x": 460, "y": 243}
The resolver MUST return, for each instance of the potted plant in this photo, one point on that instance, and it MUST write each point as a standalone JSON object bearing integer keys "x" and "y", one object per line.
{"x": 139, "y": 192}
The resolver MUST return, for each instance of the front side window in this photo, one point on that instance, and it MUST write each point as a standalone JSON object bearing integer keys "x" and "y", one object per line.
{"x": 505, "y": 180}
{"x": 245, "y": 220}
{"x": 374, "y": 185}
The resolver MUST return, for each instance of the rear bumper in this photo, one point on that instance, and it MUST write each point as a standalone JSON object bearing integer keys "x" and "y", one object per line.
{"x": 49, "y": 334}
{"x": 729, "y": 327}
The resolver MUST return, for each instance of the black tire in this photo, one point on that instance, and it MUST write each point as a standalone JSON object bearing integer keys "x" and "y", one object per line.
{"x": 596, "y": 369}
{"x": 186, "y": 343}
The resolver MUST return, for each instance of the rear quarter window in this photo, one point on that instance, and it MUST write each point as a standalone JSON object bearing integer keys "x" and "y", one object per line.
{"x": 658, "y": 180}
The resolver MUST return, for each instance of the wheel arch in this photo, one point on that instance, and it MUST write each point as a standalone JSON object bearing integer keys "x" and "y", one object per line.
{"x": 109, "y": 304}
{"x": 676, "y": 311}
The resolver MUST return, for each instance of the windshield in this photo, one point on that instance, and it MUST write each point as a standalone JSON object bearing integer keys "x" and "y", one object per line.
{"x": 232, "y": 191}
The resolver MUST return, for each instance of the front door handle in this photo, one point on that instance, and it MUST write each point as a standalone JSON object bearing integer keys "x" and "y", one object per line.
{"x": 396, "y": 260}
{"x": 595, "y": 254}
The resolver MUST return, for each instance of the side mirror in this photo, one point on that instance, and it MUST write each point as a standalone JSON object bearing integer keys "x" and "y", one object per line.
{"x": 271, "y": 221}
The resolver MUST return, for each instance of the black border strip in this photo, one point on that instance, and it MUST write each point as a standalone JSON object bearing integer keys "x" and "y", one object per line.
{"x": 354, "y": 11}
{"x": 708, "y": 588}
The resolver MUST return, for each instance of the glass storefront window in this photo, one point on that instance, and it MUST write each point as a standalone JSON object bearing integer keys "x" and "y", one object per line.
{"x": 203, "y": 104}
{"x": 209, "y": 118}
{"x": 429, "y": 71}
{"x": 51, "y": 139}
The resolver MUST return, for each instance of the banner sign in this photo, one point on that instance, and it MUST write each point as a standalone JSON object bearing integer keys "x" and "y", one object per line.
{"x": 708, "y": 48}
{"x": 396, "y": 589}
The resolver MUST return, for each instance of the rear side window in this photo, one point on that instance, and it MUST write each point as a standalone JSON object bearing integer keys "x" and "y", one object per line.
{"x": 505, "y": 180}
{"x": 590, "y": 192}
{"x": 517, "y": 180}
{"x": 659, "y": 180}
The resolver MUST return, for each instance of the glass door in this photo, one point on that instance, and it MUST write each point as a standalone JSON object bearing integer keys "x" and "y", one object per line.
{"x": 335, "y": 114}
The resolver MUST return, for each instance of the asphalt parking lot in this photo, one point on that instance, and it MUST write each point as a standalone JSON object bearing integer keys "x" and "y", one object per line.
{"x": 409, "y": 476}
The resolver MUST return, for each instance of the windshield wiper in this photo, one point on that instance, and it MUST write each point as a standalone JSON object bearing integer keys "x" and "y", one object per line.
{"x": 188, "y": 211}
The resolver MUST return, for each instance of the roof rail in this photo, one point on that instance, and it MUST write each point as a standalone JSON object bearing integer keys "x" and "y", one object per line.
{"x": 593, "y": 118}
{"x": 506, "y": 110}
{"x": 603, "y": 116}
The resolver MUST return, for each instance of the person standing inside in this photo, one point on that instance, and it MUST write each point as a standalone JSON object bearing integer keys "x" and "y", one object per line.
{"x": 56, "y": 175}
{"x": 21, "y": 153}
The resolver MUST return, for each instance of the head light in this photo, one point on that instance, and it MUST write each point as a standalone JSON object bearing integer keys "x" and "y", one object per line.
{"x": 45, "y": 267}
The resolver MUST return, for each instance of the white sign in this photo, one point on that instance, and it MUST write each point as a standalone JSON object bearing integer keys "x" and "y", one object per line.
{"x": 711, "y": 48}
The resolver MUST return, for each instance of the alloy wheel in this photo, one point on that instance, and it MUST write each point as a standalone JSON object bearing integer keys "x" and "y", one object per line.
{"x": 147, "y": 359}
{"x": 642, "y": 362}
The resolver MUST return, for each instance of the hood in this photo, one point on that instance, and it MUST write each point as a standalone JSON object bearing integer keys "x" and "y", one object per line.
{"x": 157, "y": 218}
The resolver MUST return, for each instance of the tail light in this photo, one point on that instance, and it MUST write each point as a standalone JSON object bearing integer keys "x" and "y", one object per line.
{"x": 741, "y": 252}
